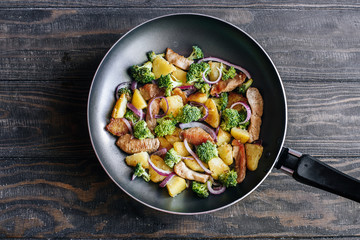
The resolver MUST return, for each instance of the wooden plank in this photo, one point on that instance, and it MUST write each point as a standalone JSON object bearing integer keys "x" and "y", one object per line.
{"x": 314, "y": 46}
{"x": 72, "y": 197}
{"x": 306, "y": 4}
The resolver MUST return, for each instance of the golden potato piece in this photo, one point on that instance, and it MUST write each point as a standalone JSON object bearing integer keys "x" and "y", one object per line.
{"x": 176, "y": 185}
{"x": 253, "y": 154}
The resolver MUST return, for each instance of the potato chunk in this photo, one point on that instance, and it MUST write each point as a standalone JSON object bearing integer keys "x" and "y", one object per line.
{"x": 226, "y": 153}
{"x": 240, "y": 134}
{"x": 162, "y": 67}
{"x": 175, "y": 104}
{"x": 138, "y": 101}
{"x": 141, "y": 157}
{"x": 213, "y": 119}
{"x": 217, "y": 166}
{"x": 181, "y": 149}
{"x": 223, "y": 137}
{"x": 176, "y": 185}
{"x": 193, "y": 165}
{"x": 158, "y": 162}
{"x": 120, "y": 107}
{"x": 253, "y": 154}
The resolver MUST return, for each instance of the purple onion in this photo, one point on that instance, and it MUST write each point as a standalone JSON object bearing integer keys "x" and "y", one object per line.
{"x": 226, "y": 63}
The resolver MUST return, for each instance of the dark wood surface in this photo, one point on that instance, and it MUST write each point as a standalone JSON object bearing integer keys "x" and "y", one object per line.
{"x": 51, "y": 183}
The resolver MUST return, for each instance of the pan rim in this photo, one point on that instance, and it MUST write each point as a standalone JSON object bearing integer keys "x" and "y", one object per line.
{"x": 285, "y": 112}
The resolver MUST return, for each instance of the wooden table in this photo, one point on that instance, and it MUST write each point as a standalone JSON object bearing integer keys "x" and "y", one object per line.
{"x": 51, "y": 183}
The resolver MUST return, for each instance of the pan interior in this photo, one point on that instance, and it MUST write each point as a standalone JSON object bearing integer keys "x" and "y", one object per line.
{"x": 180, "y": 32}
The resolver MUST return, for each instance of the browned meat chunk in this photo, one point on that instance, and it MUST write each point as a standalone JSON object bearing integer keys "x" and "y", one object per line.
{"x": 151, "y": 90}
{"x": 117, "y": 127}
{"x": 196, "y": 136}
{"x": 178, "y": 60}
{"x": 132, "y": 145}
{"x": 256, "y": 104}
{"x": 228, "y": 85}
{"x": 240, "y": 160}
{"x": 183, "y": 171}
{"x": 155, "y": 108}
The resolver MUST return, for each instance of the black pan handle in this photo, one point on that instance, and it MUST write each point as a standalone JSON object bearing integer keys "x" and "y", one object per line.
{"x": 313, "y": 172}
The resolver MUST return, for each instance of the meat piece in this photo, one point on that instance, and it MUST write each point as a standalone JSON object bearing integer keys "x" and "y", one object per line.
{"x": 240, "y": 160}
{"x": 228, "y": 85}
{"x": 117, "y": 127}
{"x": 151, "y": 90}
{"x": 178, "y": 60}
{"x": 196, "y": 136}
{"x": 155, "y": 108}
{"x": 132, "y": 145}
{"x": 256, "y": 104}
{"x": 183, "y": 171}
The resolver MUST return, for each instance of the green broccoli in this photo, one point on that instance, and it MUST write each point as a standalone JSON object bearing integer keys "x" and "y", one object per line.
{"x": 142, "y": 74}
{"x": 228, "y": 179}
{"x": 195, "y": 72}
{"x": 197, "y": 53}
{"x": 228, "y": 73}
{"x": 207, "y": 151}
{"x": 200, "y": 189}
{"x": 188, "y": 114}
{"x": 141, "y": 131}
{"x": 243, "y": 115}
{"x": 172, "y": 157}
{"x": 203, "y": 87}
{"x": 222, "y": 101}
{"x": 231, "y": 118}
{"x": 152, "y": 55}
{"x": 139, "y": 171}
{"x": 165, "y": 127}
{"x": 242, "y": 89}
{"x": 166, "y": 81}
{"x": 131, "y": 116}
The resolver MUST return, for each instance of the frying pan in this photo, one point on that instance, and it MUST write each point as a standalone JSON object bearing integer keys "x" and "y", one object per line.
{"x": 220, "y": 39}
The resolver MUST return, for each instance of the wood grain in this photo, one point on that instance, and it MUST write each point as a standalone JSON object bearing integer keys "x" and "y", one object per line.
{"x": 52, "y": 185}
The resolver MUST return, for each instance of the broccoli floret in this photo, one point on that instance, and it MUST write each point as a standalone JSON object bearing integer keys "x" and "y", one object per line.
{"x": 242, "y": 89}
{"x": 222, "y": 101}
{"x": 197, "y": 53}
{"x": 195, "y": 72}
{"x": 152, "y": 55}
{"x": 243, "y": 115}
{"x": 142, "y": 74}
{"x": 203, "y": 87}
{"x": 131, "y": 116}
{"x": 228, "y": 179}
{"x": 231, "y": 118}
{"x": 141, "y": 131}
{"x": 166, "y": 81}
{"x": 172, "y": 157}
{"x": 228, "y": 73}
{"x": 139, "y": 171}
{"x": 200, "y": 189}
{"x": 207, "y": 151}
{"x": 188, "y": 114}
{"x": 165, "y": 127}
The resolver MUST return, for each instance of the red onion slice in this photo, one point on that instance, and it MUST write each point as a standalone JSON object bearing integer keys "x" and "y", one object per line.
{"x": 160, "y": 152}
{"x": 167, "y": 179}
{"x": 210, "y": 82}
{"x": 187, "y": 87}
{"x": 202, "y": 105}
{"x": 226, "y": 63}
{"x": 133, "y": 85}
{"x": 248, "y": 111}
{"x": 188, "y": 148}
{"x": 128, "y": 124}
{"x": 206, "y": 128}
{"x": 138, "y": 112}
{"x": 158, "y": 170}
{"x": 118, "y": 88}
{"x": 150, "y": 108}
{"x": 215, "y": 191}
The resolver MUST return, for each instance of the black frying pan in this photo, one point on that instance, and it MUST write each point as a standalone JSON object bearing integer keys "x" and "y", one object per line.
{"x": 220, "y": 39}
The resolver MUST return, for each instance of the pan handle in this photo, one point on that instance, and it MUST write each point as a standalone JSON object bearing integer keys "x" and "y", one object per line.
{"x": 310, "y": 171}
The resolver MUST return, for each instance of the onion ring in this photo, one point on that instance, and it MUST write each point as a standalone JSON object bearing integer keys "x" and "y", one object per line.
{"x": 210, "y": 82}
{"x": 118, "y": 87}
{"x": 248, "y": 111}
{"x": 162, "y": 115}
{"x": 138, "y": 112}
{"x": 217, "y": 190}
{"x": 167, "y": 179}
{"x": 188, "y": 148}
{"x": 158, "y": 170}
{"x": 160, "y": 152}
{"x": 226, "y": 63}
